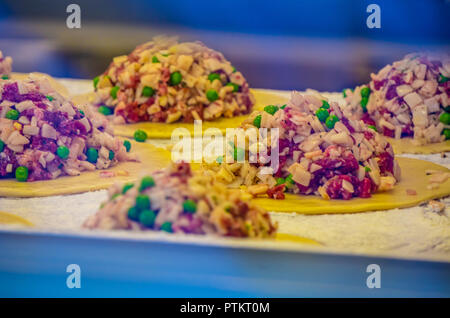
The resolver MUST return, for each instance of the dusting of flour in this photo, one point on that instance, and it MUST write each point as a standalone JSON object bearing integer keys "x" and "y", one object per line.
{"x": 412, "y": 231}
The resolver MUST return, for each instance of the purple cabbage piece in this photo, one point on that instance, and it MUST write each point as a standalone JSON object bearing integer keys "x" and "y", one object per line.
{"x": 72, "y": 127}
{"x": 391, "y": 92}
{"x": 34, "y": 96}
{"x": 63, "y": 124}
{"x": 194, "y": 226}
{"x": 398, "y": 79}
{"x": 55, "y": 118}
{"x": 8, "y": 157}
{"x": 38, "y": 173}
{"x": 28, "y": 113}
{"x": 11, "y": 93}
{"x": 41, "y": 105}
{"x": 347, "y": 124}
{"x": 378, "y": 84}
{"x": 43, "y": 144}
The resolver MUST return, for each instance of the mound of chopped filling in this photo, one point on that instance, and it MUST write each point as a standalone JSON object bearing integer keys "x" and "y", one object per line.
{"x": 43, "y": 135}
{"x": 5, "y": 66}
{"x": 167, "y": 81}
{"x": 178, "y": 200}
{"x": 321, "y": 152}
{"x": 409, "y": 98}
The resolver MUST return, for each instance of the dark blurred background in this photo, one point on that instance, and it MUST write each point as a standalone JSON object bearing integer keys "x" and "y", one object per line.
{"x": 279, "y": 44}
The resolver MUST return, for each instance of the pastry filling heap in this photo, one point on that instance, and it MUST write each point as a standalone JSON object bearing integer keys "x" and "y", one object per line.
{"x": 43, "y": 135}
{"x": 167, "y": 81}
{"x": 179, "y": 200}
{"x": 409, "y": 98}
{"x": 321, "y": 152}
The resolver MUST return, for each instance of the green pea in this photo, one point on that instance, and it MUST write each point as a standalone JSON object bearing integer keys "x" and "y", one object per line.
{"x": 105, "y": 110}
{"x": 2, "y": 145}
{"x": 213, "y": 76}
{"x": 443, "y": 79}
{"x": 289, "y": 181}
{"x": 445, "y": 118}
{"x": 212, "y": 95}
{"x": 280, "y": 181}
{"x": 175, "y": 78}
{"x": 367, "y": 169}
{"x": 239, "y": 154}
{"x": 92, "y": 155}
{"x": 63, "y": 152}
{"x": 235, "y": 87}
{"x": 81, "y": 112}
{"x": 446, "y": 133}
{"x": 126, "y": 187}
{"x": 12, "y": 114}
{"x": 155, "y": 59}
{"x": 140, "y": 135}
{"x": 322, "y": 114}
{"x": 127, "y": 145}
{"x": 189, "y": 206}
{"x": 325, "y": 104}
{"x": 147, "y": 182}
{"x": 167, "y": 227}
{"x": 50, "y": 98}
{"x": 133, "y": 214}
{"x": 114, "y": 91}
{"x": 147, "y": 91}
{"x": 331, "y": 121}
{"x": 143, "y": 202}
{"x": 364, "y": 101}
{"x": 271, "y": 109}
{"x": 21, "y": 173}
{"x": 111, "y": 155}
{"x": 257, "y": 121}
{"x": 372, "y": 127}
{"x": 365, "y": 92}
{"x": 147, "y": 218}
{"x": 96, "y": 80}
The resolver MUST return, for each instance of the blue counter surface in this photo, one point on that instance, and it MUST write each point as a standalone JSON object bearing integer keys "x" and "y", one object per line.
{"x": 34, "y": 265}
